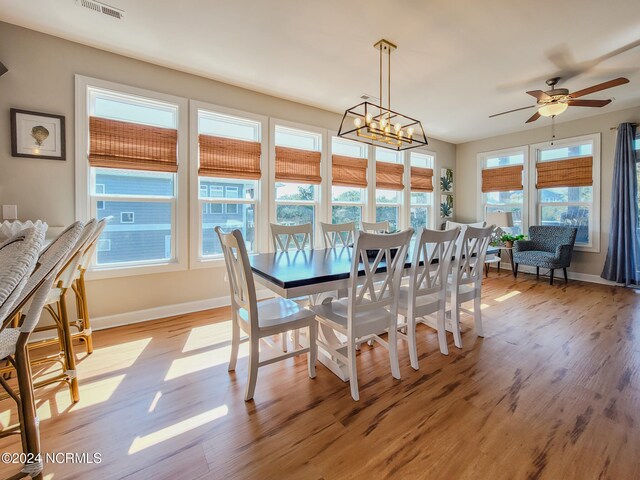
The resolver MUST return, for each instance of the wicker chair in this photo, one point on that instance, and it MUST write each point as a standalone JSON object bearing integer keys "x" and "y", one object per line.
{"x": 548, "y": 247}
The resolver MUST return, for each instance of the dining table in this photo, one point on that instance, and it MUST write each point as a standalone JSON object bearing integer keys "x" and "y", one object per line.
{"x": 318, "y": 274}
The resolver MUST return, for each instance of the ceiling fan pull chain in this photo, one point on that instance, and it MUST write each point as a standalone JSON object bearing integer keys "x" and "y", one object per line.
{"x": 553, "y": 128}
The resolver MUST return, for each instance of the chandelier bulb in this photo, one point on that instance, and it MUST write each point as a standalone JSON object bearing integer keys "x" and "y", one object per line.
{"x": 368, "y": 118}
{"x": 357, "y": 122}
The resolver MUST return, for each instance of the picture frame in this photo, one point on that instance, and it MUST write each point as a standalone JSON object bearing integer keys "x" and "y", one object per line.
{"x": 446, "y": 206}
{"x": 37, "y": 135}
{"x": 446, "y": 180}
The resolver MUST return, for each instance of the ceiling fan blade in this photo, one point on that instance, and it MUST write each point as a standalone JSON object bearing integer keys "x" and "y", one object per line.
{"x": 534, "y": 117}
{"x": 539, "y": 94}
{"x": 588, "y": 103}
{"x": 599, "y": 87}
{"x": 509, "y": 111}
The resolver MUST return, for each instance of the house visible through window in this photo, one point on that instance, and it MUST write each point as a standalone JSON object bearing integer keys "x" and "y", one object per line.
{"x": 142, "y": 201}
{"x": 421, "y": 209}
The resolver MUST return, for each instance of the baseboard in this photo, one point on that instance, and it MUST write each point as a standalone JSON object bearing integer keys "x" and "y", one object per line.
{"x": 583, "y": 277}
{"x": 155, "y": 313}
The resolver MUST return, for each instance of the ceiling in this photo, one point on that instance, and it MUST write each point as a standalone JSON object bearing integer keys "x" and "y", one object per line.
{"x": 457, "y": 62}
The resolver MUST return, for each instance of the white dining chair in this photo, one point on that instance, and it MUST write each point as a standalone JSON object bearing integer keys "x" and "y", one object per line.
{"x": 376, "y": 227}
{"x": 367, "y": 311}
{"x": 14, "y": 344}
{"x": 286, "y": 237}
{"x": 426, "y": 293}
{"x": 337, "y": 235}
{"x": 465, "y": 281}
{"x": 260, "y": 320}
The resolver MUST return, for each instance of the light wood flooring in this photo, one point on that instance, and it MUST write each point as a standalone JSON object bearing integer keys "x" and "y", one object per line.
{"x": 551, "y": 392}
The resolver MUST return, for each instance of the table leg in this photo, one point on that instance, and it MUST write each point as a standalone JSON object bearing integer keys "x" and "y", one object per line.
{"x": 328, "y": 336}
{"x": 513, "y": 267}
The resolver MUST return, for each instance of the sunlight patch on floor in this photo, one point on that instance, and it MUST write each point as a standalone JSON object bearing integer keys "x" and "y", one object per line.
{"x": 91, "y": 393}
{"x": 5, "y": 418}
{"x": 154, "y": 402}
{"x": 207, "y": 335}
{"x": 113, "y": 357}
{"x": 507, "y": 296}
{"x": 204, "y": 360}
{"x": 146, "y": 441}
{"x": 48, "y": 476}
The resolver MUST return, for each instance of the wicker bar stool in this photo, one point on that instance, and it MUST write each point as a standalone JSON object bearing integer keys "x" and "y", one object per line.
{"x": 13, "y": 341}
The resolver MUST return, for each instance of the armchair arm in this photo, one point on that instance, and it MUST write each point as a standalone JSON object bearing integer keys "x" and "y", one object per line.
{"x": 523, "y": 245}
{"x": 563, "y": 253}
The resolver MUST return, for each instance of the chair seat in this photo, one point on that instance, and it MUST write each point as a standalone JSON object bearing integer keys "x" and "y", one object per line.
{"x": 537, "y": 258}
{"x": 334, "y": 314}
{"x": 279, "y": 315}
{"x": 425, "y": 304}
{"x": 8, "y": 340}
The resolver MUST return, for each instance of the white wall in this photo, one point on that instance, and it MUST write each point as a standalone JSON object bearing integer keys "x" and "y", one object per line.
{"x": 41, "y": 78}
{"x": 466, "y": 168}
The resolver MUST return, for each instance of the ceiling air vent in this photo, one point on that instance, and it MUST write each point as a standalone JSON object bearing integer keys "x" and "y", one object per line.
{"x": 102, "y": 8}
{"x": 369, "y": 98}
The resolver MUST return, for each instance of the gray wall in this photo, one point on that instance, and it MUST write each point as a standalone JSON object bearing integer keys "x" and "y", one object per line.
{"x": 41, "y": 78}
{"x": 467, "y": 162}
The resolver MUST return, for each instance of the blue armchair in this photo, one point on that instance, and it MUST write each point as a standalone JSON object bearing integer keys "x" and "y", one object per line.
{"x": 548, "y": 247}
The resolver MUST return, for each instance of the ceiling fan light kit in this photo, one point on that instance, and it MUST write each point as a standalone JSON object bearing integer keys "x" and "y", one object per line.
{"x": 378, "y": 125}
{"x": 556, "y": 100}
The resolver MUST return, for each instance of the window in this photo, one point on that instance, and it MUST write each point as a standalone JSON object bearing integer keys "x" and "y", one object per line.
{"x": 143, "y": 202}
{"x": 296, "y": 202}
{"x": 388, "y": 202}
{"x": 348, "y": 201}
{"x": 231, "y": 199}
{"x": 127, "y": 217}
{"x": 104, "y": 244}
{"x": 504, "y": 198}
{"x": 574, "y": 204}
{"x": 421, "y": 203}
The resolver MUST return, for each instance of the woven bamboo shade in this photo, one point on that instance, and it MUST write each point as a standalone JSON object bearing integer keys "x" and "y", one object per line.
{"x": 229, "y": 158}
{"x": 389, "y": 176}
{"x": 116, "y": 144}
{"x": 502, "y": 179}
{"x": 349, "y": 171}
{"x": 421, "y": 179}
{"x": 572, "y": 172}
{"x": 295, "y": 165}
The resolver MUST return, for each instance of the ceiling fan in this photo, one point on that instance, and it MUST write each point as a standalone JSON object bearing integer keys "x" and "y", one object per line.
{"x": 556, "y": 100}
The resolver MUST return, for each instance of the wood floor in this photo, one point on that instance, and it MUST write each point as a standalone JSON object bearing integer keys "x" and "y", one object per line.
{"x": 551, "y": 392}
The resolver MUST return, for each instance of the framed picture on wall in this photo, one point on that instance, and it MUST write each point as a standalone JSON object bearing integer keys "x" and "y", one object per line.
{"x": 37, "y": 135}
{"x": 446, "y": 180}
{"x": 446, "y": 206}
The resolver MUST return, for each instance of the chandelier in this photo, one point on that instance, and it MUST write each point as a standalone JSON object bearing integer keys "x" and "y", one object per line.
{"x": 377, "y": 124}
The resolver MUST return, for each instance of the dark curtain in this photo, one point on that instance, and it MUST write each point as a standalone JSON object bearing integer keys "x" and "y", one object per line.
{"x": 621, "y": 265}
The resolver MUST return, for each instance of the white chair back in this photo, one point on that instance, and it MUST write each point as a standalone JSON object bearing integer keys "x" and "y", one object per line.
{"x": 338, "y": 234}
{"x": 71, "y": 267}
{"x": 285, "y": 236}
{"x": 372, "y": 294}
{"x": 241, "y": 285}
{"x": 468, "y": 264}
{"x": 376, "y": 227}
{"x": 463, "y": 227}
{"x": 18, "y": 258}
{"x": 427, "y": 277}
{"x": 87, "y": 256}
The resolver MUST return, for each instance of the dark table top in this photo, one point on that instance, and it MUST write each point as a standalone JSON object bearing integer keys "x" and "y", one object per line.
{"x": 307, "y": 267}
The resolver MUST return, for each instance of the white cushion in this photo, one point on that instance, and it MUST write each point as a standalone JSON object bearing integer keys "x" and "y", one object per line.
{"x": 8, "y": 340}
{"x": 368, "y": 322}
{"x": 279, "y": 314}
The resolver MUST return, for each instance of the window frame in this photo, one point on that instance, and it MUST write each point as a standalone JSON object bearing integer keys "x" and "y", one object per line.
{"x": 261, "y": 198}
{"x": 364, "y": 201}
{"x": 482, "y": 158}
{"x": 431, "y": 210}
{"x": 403, "y": 216}
{"x": 324, "y": 193}
{"x": 536, "y": 205}
{"x": 83, "y": 177}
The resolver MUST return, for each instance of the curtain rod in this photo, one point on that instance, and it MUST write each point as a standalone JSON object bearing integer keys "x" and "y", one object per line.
{"x": 615, "y": 128}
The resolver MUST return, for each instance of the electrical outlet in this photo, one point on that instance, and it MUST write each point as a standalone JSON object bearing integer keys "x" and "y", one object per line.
{"x": 9, "y": 212}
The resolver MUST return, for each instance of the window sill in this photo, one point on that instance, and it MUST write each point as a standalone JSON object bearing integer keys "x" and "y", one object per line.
{"x": 129, "y": 271}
